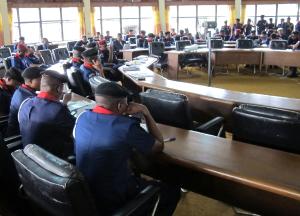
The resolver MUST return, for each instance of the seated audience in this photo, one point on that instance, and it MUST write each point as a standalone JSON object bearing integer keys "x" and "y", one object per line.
{"x": 32, "y": 77}
{"x": 91, "y": 65}
{"x": 263, "y": 38}
{"x": 296, "y": 46}
{"x": 107, "y": 36}
{"x": 130, "y": 34}
{"x": 169, "y": 41}
{"x": 237, "y": 35}
{"x": 288, "y": 27}
{"x": 83, "y": 42}
{"x": 173, "y": 33}
{"x": 104, "y": 139}
{"x": 270, "y": 25}
{"x": 261, "y": 25}
{"x": 97, "y": 36}
{"x": 45, "y": 121}
{"x": 8, "y": 84}
{"x": 280, "y": 34}
{"x": 238, "y": 25}
{"x": 281, "y": 24}
{"x": 248, "y": 27}
{"x": 20, "y": 60}
{"x": 190, "y": 38}
{"x": 160, "y": 37}
{"x": 77, "y": 60}
{"x": 45, "y": 43}
{"x": 118, "y": 45}
{"x": 297, "y": 26}
{"x": 227, "y": 31}
{"x": 142, "y": 34}
{"x": 21, "y": 42}
{"x": 33, "y": 58}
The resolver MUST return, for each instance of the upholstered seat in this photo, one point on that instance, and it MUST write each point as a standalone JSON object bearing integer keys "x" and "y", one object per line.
{"x": 266, "y": 126}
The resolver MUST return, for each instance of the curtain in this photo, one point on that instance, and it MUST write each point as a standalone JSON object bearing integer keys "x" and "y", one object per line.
{"x": 243, "y": 14}
{"x": 81, "y": 21}
{"x": 10, "y": 22}
{"x": 92, "y": 18}
{"x": 167, "y": 10}
{"x": 157, "y": 26}
{"x": 232, "y": 15}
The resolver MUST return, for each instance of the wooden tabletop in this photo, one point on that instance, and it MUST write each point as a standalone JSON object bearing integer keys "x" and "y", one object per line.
{"x": 267, "y": 169}
{"x": 223, "y": 94}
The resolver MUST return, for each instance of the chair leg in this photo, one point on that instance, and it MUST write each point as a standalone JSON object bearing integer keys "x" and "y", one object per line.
{"x": 254, "y": 69}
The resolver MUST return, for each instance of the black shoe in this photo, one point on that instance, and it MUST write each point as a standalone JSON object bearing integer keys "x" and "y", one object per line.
{"x": 292, "y": 74}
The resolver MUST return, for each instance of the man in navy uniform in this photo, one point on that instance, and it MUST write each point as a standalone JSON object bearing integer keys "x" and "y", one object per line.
{"x": 227, "y": 30}
{"x": 32, "y": 77}
{"x": 118, "y": 45}
{"x": 77, "y": 58}
{"x": 288, "y": 27}
{"x": 44, "y": 120}
{"x": 104, "y": 139}
{"x": 11, "y": 80}
{"x": 20, "y": 60}
{"x": 91, "y": 65}
{"x": 261, "y": 25}
{"x": 83, "y": 42}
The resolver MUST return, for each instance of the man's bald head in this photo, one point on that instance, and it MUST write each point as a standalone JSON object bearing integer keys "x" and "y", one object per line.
{"x": 52, "y": 82}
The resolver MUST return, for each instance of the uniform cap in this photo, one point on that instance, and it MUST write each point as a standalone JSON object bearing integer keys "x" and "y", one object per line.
{"x": 32, "y": 72}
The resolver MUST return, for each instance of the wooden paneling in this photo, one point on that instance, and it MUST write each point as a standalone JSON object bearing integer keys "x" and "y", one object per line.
{"x": 44, "y": 3}
{"x": 124, "y": 2}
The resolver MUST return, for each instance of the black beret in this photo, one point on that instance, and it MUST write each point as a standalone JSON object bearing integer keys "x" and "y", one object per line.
{"x": 111, "y": 89}
{"x": 56, "y": 75}
{"x": 90, "y": 53}
{"x": 32, "y": 72}
{"x": 79, "y": 48}
{"x": 15, "y": 74}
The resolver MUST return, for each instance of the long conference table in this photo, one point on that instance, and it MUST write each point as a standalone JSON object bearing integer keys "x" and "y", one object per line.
{"x": 251, "y": 177}
{"x": 226, "y": 56}
{"x": 205, "y": 102}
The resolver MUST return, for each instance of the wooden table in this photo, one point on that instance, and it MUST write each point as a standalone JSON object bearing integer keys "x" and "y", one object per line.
{"x": 223, "y": 56}
{"x": 255, "y": 178}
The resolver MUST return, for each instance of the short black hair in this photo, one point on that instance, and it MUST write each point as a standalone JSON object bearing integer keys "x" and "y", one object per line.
{"x": 15, "y": 74}
{"x": 21, "y": 38}
{"x": 32, "y": 73}
{"x": 111, "y": 89}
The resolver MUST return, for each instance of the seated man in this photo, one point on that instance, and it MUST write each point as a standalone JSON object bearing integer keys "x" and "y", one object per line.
{"x": 44, "y": 120}
{"x": 32, "y": 77}
{"x": 104, "y": 139}
{"x": 33, "y": 58}
{"x": 169, "y": 41}
{"x": 77, "y": 58}
{"x": 118, "y": 45}
{"x": 20, "y": 60}
{"x": 83, "y": 42}
{"x": 293, "y": 70}
{"x": 11, "y": 80}
{"x": 91, "y": 65}
{"x": 107, "y": 36}
{"x": 21, "y": 41}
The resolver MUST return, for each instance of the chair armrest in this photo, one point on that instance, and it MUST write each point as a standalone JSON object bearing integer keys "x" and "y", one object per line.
{"x": 13, "y": 143}
{"x": 72, "y": 159}
{"x": 141, "y": 199}
{"x": 212, "y": 127}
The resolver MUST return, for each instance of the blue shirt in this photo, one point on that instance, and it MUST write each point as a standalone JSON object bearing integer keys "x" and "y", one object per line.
{"x": 87, "y": 73}
{"x": 5, "y": 97}
{"x": 103, "y": 145}
{"x": 20, "y": 62}
{"x": 19, "y": 96}
{"x": 48, "y": 124}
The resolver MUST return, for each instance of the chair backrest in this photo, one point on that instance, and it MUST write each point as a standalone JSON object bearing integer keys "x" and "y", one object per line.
{"x": 53, "y": 184}
{"x": 39, "y": 47}
{"x": 70, "y": 45}
{"x": 141, "y": 42}
{"x": 10, "y": 46}
{"x": 60, "y": 54}
{"x": 244, "y": 44}
{"x": 3, "y": 124}
{"x": 95, "y": 81}
{"x": 266, "y": 126}
{"x": 77, "y": 84}
{"x": 52, "y": 46}
{"x": 157, "y": 48}
{"x": 47, "y": 57}
{"x": 168, "y": 107}
{"x": 7, "y": 62}
{"x": 5, "y": 52}
{"x": 180, "y": 45}
{"x": 279, "y": 44}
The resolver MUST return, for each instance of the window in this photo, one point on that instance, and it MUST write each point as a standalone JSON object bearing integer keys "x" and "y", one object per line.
{"x": 269, "y": 10}
{"x": 56, "y": 24}
{"x": 147, "y": 19}
{"x": 114, "y": 18}
{"x": 187, "y": 18}
{"x": 130, "y": 19}
{"x": 287, "y": 10}
{"x": 194, "y": 16}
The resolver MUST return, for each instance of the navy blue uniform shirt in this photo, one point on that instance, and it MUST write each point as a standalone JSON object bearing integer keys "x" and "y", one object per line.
{"x": 20, "y": 62}
{"x": 22, "y": 93}
{"x": 103, "y": 145}
{"x": 87, "y": 72}
{"x": 5, "y": 97}
{"x": 47, "y": 123}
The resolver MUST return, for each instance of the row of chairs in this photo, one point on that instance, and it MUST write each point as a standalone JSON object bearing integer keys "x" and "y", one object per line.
{"x": 265, "y": 126}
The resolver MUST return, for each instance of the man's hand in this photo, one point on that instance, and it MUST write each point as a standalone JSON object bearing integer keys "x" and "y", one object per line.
{"x": 134, "y": 108}
{"x": 97, "y": 65}
{"x": 66, "y": 98}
